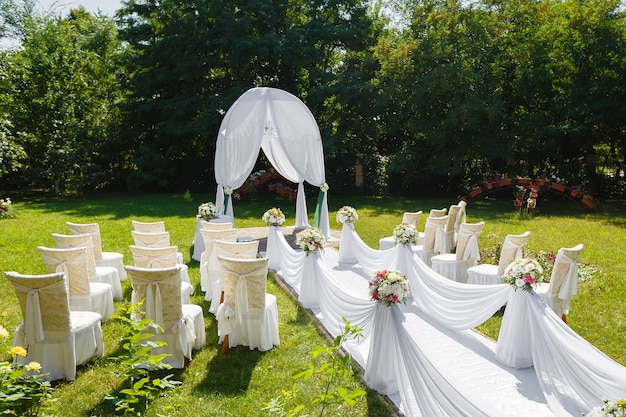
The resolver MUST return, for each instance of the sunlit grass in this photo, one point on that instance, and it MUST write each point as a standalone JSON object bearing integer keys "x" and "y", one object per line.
{"x": 238, "y": 383}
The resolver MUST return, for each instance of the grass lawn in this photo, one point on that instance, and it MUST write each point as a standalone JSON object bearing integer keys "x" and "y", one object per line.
{"x": 239, "y": 383}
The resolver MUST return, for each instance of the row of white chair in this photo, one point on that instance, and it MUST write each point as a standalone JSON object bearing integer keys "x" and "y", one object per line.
{"x": 462, "y": 265}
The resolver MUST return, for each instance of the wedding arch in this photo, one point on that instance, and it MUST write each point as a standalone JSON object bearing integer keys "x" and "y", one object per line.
{"x": 283, "y": 127}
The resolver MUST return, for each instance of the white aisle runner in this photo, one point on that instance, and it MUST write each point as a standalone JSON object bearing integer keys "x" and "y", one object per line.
{"x": 465, "y": 358}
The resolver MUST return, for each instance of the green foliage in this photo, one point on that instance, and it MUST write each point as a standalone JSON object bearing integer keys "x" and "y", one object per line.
{"x": 333, "y": 367}
{"x": 138, "y": 362}
{"x": 23, "y": 389}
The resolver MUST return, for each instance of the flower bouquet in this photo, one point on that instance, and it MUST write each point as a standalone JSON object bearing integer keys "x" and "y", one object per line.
{"x": 208, "y": 211}
{"x": 523, "y": 273}
{"x": 614, "y": 408}
{"x": 311, "y": 240}
{"x": 389, "y": 287}
{"x": 273, "y": 217}
{"x": 347, "y": 214}
{"x": 405, "y": 234}
{"x": 5, "y": 208}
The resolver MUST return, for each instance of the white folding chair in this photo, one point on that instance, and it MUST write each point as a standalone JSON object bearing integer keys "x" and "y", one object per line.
{"x": 209, "y": 271}
{"x": 563, "y": 281}
{"x": 105, "y": 274}
{"x": 248, "y": 316}
{"x": 112, "y": 259}
{"x": 57, "y": 338}
{"x": 182, "y": 324}
{"x": 149, "y": 227}
{"x": 165, "y": 257}
{"x": 454, "y": 265}
{"x": 488, "y": 274}
{"x": 84, "y": 295}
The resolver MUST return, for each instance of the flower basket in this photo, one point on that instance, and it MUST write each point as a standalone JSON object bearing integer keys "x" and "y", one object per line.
{"x": 575, "y": 194}
{"x": 312, "y": 240}
{"x": 347, "y": 214}
{"x": 476, "y": 192}
{"x": 558, "y": 187}
{"x": 505, "y": 183}
{"x": 405, "y": 234}
{"x": 541, "y": 183}
{"x": 274, "y": 217}
{"x": 389, "y": 287}
{"x": 523, "y": 273}
{"x": 523, "y": 181}
{"x": 587, "y": 202}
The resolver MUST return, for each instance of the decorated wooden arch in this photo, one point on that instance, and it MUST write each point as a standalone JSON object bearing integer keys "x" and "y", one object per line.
{"x": 541, "y": 184}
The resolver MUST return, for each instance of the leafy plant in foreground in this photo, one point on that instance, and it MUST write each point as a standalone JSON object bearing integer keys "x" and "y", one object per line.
{"x": 137, "y": 363}
{"x": 333, "y": 367}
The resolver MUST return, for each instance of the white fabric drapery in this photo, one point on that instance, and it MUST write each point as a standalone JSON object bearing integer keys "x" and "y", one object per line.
{"x": 280, "y": 124}
{"x": 573, "y": 376}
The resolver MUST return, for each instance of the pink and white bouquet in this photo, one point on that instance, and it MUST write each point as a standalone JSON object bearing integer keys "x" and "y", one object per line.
{"x": 389, "y": 287}
{"x": 524, "y": 273}
{"x": 311, "y": 240}
{"x": 347, "y": 214}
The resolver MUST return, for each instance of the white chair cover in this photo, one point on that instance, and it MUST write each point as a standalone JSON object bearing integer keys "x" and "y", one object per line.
{"x": 106, "y": 259}
{"x": 97, "y": 274}
{"x": 248, "y": 315}
{"x": 488, "y": 274}
{"x": 84, "y": 295}
{"x": 407, "y": 217}
{"x": 435, "y": 240}
{"x": 183, "y": 324}
{"x": 211, "y": 225}
{"x": 209, "y": 267}
{"x": 454, "y": 265}
{"x": 149, "y": 227}
{"x": 226, "y": 249}
{"x": 57, "y": 338}
{"x": 165, "y": 257}
{"x": 563, "y": 281}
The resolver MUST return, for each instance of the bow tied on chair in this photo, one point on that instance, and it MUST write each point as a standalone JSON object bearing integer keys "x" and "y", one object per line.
{"x": 34, "y": 333}
{"x": 154, "y": 303}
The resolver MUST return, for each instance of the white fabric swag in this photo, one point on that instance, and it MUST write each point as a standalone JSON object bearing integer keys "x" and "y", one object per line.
{"x": 401, "y": 348}
{"x": 280, "y": 124}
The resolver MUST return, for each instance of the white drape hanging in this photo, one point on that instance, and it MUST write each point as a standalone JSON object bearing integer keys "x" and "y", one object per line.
{"x": 280, "y": 124}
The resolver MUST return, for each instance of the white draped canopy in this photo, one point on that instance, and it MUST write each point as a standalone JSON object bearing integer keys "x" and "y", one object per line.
{"x": 280, "y": 124}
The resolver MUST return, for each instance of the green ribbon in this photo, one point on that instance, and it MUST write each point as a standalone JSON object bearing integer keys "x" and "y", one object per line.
{"x": 318, "y": 209}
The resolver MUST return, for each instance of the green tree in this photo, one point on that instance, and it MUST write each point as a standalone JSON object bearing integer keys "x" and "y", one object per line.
{"x": 62, "y": 84}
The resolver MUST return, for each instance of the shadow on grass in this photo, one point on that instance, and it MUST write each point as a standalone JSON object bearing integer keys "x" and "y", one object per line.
{"x": 229, "y": 374}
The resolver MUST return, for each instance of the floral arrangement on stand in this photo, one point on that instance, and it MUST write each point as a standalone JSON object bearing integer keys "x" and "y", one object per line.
{"x": 524, "y": 273}
{"x": 208, "y": 211}
{"x": 389, "y": 287}
{"x": 274, "y": 217}
{"x": 23, "y": 390}
{"x": 611, "y": 408}
{"x": 347, "y": 214}
{"x": 311, "y": 240}
{"x": 5, "y": 208}
{"x": 405, "y": 234}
